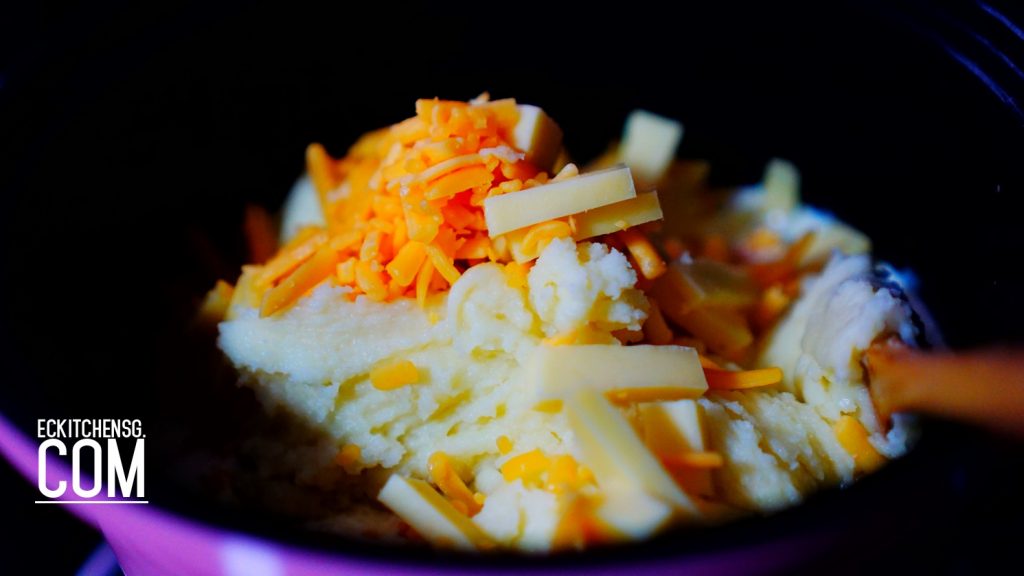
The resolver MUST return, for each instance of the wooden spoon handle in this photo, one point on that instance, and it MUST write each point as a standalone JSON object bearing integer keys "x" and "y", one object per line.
{"x": 983, "y": 387}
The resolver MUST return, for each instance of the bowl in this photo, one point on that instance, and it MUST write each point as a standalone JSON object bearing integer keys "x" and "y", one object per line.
{"x": 133, "y": 140}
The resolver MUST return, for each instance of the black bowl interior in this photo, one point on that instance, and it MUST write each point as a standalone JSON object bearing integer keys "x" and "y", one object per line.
{"x": 133, "y": 139}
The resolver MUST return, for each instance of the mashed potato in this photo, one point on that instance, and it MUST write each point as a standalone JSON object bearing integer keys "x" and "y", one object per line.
{"x": 468, "y": 345}
{"x": 417, "y": 387}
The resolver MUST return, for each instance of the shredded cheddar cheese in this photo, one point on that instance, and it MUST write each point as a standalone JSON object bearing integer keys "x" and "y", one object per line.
{"x": 348, "y": 455}
{"x": 644, "y": 254}
{"x": 527, "y": 467}
{"x": 692, "y": 460}
{"x": 549, "y": 406}
{"x": 392, "y": 376}
{"x": 559, "y": 474}
{"x": 504, "y": 444}
{"x": 854, "y": 438}
{"x": 743, "y": 379}
{"x": 444, "y": 475}
{"x": 404, "y": 209}
{"x": 404, "y": 203}
{"x": 215, "y": 305}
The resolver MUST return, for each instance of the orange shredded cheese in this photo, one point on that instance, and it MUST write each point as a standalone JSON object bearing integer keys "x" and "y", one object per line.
{"x": 528, "y": 467}
{"x": 743, "y": 379}
{"x": 315, "y": 270}
{"x": 772, "y": 304}
{"x": 321, "y": 169}
{"x": 348, "y": 455}
{"x": 458, "y": 181}
{"x": 346, "y": 271}
{"x": 444, "y": 264}
{"x": 406, "y": 203}
{"x": 644, "y": 254}
{"x": 579, "y": 527}
{"x": 539, "y": 235}
{"x": 406, "y": 264}
{"x": 504, "y": 444}
{"x": 516, "y": 274}
{"x": 854, "y": 438}
{"x": 785, "y": 268}
{"x": 395, "y": 375}
{"x": 564, "y": 475}
{"x": 626, "y": 396}
{"x": 444, "y": 475}
{"x": 300, "y": 249}
{"x": 692, "y": 460}
{"x": 423, "y": 278}
{"x": 215, "y": 305}
{"x": 762, "y": 242}
{"x": 370, "y": 280}
{"x": 404, "y": 209}
{"x": 549, "y": 406}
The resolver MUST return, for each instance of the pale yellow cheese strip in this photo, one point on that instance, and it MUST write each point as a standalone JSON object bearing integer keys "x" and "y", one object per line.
{"x": 633, "y": 516}
{"x": 613, "y": 451}
{"x": 781, "y": 185}
{"x": 619, "y": 216}
{"x": 649, "y": 144}
{"x": 430, "y": 514}
{"x": 675, "y": 428}
{"x": 671, "y": 372}
{"x": 558, "y": 199}
{"x": 537, "y": 135}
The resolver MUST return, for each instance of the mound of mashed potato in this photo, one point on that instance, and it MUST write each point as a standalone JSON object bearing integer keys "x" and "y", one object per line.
{"x": 424, "y": 399}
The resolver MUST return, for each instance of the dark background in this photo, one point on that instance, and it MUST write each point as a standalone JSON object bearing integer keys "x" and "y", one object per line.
{"x": 132, "y": 137}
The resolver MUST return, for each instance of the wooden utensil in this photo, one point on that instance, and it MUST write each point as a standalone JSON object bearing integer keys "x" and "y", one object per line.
{"x": 983, "y": 387}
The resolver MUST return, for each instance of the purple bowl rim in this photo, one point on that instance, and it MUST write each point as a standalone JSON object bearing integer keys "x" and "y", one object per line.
{"x": 21, "y": 451}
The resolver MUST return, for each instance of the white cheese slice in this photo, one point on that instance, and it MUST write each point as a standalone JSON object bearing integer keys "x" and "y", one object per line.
{"x": 633, "y": 516}
{"x": 537, "y": 135}
{"x": 674, "y": 428}
{"x": 558, "y": 199}
{"x": 649, "y": 144}
{"x": 619, "y": 216}
{"x": 669, "y": 372}
{"x": 781, "y": 185}
{"x": 613, "y": 451}
{"x": 430, "y": 514}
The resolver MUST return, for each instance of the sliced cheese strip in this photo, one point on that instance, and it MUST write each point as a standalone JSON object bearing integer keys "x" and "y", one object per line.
{"x": 619, "y": 216}
{"x": 671, "y": 428}
{"x": 558, "y": 199}
{"x": 672, "y": 372}
{"x": 430, "y": 514}
{"x": 649, "y": 144}
{"x": 632, "y": 516}
{"x": 538, "y": 136}
{"x": 616, "y": 455}
{"x": 781, "y": 185}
